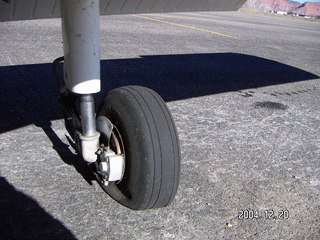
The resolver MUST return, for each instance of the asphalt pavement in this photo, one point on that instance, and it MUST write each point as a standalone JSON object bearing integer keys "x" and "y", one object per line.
{"x": 244, "y": 92}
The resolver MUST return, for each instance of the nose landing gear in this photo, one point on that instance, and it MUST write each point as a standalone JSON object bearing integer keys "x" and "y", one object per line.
{"x": 132, "y": 146}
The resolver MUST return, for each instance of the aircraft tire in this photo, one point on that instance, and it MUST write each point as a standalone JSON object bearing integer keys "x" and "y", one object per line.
{"x": 151, "y": 146}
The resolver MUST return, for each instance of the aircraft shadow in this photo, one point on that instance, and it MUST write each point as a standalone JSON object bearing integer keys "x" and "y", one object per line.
{"x": 23, "y": 218}
{"x": 177, "y": 77}
{"x": 29, "y": 95}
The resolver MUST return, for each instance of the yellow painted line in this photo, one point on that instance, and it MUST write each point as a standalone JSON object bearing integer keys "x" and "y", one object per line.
{"x": 181, "y": 25}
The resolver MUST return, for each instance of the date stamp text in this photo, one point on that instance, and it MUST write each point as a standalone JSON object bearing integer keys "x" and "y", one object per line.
{"x": 248, "y": 214}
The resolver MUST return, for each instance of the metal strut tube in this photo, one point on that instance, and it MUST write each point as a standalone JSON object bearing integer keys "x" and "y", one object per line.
{"x": 87, "y": 109}
{"x": 89, "y": 138}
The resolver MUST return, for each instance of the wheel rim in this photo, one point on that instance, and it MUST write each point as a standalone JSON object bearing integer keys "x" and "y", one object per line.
{"x": 116, "y": 144}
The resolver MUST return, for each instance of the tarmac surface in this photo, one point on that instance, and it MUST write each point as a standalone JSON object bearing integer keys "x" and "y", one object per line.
{"x": 244, "y": 92}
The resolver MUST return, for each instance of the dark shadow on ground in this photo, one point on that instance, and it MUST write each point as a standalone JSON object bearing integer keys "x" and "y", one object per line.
{"x": 23, "y": 218}
{"x": 66, "y": 154}
{"x": 177, "y": 77}
{"x": 28, "y": 93}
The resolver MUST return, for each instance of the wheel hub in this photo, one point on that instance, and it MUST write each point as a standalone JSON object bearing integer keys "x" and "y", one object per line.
{"x": 110, "y": 166}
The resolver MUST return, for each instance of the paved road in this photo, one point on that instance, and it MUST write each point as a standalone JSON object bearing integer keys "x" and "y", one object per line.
{"x": 244, "y": 91}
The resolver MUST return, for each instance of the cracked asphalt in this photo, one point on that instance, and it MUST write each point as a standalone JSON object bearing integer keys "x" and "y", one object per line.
{"x": 247, "y": 109}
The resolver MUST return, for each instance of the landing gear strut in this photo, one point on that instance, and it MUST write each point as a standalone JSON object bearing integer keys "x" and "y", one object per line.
{"x": 133, "y": 143}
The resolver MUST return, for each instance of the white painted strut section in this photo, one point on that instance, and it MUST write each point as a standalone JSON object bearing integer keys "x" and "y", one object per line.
{"x": 81, "y": 42}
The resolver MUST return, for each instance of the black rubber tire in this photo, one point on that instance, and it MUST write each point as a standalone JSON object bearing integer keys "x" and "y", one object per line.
{"x": 151, "y": 144}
